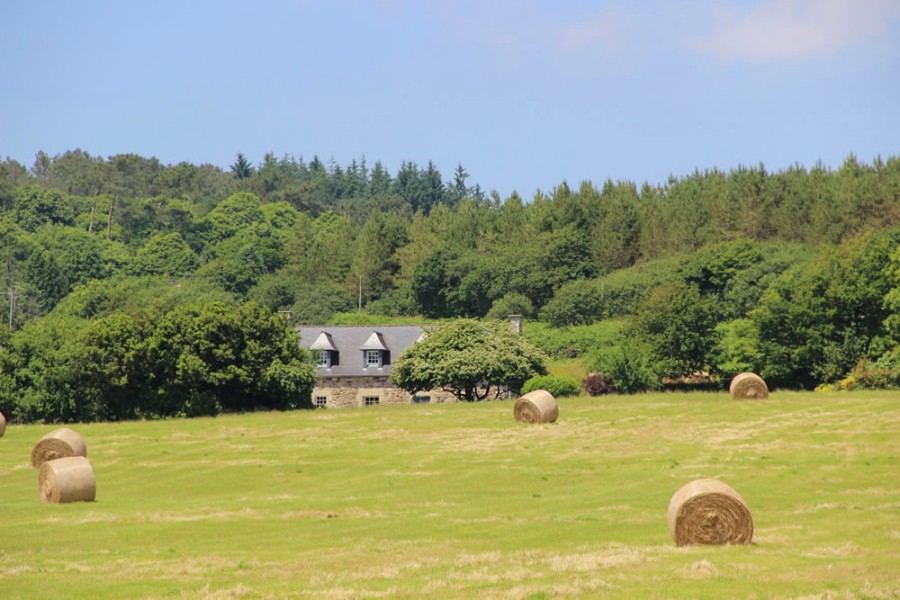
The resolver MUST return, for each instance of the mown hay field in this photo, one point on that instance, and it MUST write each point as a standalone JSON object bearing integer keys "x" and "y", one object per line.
{"x": 449, "y": 501}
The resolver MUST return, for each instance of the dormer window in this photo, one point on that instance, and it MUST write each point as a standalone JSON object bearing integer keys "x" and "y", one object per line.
{"x": 375, "y": 352}
{"x": 373, "y": 358}
{"x": 324, "y": 351}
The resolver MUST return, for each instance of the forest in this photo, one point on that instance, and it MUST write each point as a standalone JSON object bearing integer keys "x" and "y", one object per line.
{"x": 136, "y": 289}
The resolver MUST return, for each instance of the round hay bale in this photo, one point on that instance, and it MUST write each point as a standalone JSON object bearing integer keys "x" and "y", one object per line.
{"x": 2, "y": 424}
{"x": 538, "y": 406}
{"x": 67, "y": 480}
{"x": 709, "y": 512}
{"x": 59, "y": 443}
{"x": 748, "y": 386}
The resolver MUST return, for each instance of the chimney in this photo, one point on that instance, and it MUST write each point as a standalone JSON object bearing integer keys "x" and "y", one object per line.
{"x": 516, "y": 322}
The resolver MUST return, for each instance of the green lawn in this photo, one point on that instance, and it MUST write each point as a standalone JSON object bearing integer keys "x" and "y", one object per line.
{"x": 460, "y": 500}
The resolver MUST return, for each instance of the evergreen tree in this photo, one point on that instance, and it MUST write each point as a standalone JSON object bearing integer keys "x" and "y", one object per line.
{"x": 242, "y": 168}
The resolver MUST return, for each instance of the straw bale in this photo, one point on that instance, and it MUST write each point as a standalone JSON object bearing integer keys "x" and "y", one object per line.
{"x": 67, "y": 480}
{"x": 538, "y": 406}
{"x": 748, "y": 386}
{"x": 2, "y": 424}
{"x": 709, "y": 512}
{"x": 59, "y": 443}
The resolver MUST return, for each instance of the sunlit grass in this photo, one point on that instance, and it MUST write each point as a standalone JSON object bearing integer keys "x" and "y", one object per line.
{"x": 570, "y": 367}
{"x": 462, "y": 501}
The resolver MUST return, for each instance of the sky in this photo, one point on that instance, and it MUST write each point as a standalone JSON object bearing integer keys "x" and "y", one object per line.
{"x": 524, "y": 94}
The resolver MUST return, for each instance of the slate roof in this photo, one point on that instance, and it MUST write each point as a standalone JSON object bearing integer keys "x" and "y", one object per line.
{"x": 350, "y": 342}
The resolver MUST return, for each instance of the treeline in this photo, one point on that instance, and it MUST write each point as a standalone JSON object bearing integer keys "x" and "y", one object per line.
{"x": 84, "y": 236}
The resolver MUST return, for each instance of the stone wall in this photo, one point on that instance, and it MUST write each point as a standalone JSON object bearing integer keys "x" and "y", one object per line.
{"x": 341, "y": 392}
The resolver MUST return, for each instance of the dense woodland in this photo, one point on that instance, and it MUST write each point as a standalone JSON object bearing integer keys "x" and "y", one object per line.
{"x": 793, "y": 274}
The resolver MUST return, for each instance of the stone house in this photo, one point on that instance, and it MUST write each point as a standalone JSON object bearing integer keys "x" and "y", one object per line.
{"x": 354, "y": 365}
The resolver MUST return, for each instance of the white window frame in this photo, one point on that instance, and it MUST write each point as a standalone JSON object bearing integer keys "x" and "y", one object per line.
{"x": 324, "y": 359}
{"x": 371, "y": 400}
{"x": 421, "y": 399}
{"x": 321, "y": 401}
{"x": 373, "y": 358}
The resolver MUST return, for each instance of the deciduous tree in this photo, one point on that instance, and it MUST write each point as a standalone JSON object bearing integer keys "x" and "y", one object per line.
{"x": 473, "y": 360}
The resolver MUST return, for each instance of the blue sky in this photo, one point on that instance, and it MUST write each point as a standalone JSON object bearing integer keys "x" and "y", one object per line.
{"x": 524, "y": 94}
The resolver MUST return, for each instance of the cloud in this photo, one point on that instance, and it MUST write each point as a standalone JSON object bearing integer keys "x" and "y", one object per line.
{"x": 515, "y": 33}
{"x": 775, "y": 30}
{"x": 603, "y": 30}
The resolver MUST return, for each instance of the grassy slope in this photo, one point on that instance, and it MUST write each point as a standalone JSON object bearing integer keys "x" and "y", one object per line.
{"x": 461, "y": 501}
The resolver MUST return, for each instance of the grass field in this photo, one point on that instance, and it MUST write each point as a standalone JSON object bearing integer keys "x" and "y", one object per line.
{"x": 449, "y": 501}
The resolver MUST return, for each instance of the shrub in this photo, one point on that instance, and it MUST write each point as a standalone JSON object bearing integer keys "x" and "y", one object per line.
{"x": 510, "y": 304}
{"x": 557, "y": 385}
{"x": 597, "y": 385}
{"x": 869, "y": 375}
{"x": 628, "y": 365}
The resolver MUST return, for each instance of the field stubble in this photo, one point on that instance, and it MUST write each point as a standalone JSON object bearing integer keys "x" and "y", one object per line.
{"x": 462, "y": 501}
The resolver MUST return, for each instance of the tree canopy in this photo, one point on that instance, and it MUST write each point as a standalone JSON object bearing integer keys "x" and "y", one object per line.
{"x": 473, "y": 360}
{"x": 791, "y": 273}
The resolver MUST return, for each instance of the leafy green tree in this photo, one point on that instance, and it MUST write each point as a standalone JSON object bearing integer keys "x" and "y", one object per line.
{"x": 152, "y": 296}
{"x": 629, "y": 364}
{"x": 236, "y": 213}
{"x": 47, "y": 279}
{"x": 376, "y": 263}
{"x": 429, "y": 284}
{"x": 471, "y": 285}
{"x": 678, "y": 325}
{"x": 78, "y": 173}
{"x": 819, "y": 319}
{"x": 319, "y": 302}
{"x": 891, "y": 357}
{"x": 165, "y": 254}
{"x": 207, "y": 358}
{"x": 578, "y": 302}
{"x": 737, "y": 349}
{"x": 38, "y": 367}
{"x": 34, "y": 207}
{"x": 549, "y": 260}
{"x": 41, "y": 166}
{"x": 473, "y": 360}
{"x": 510, "y": 304}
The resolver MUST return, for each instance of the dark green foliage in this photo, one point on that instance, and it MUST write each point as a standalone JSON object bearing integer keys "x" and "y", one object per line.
{"x": 614, "y": 295}
{"x": 678, "y": 325}
{"x": 430, "y": 282}
{"x": 575, "y": 341}
{"x": 816, "y": 321}
{"x": 511, "y": 304}
{"x": 47, "y": 279}
{"x": 153, "y": 295}
{"x": 396, "y": 303}
{"x": 242, "y": 168}
{"x": 737, "y": 349}
{"x": 472, "y": 359}
{"x": 557, "y": 385}
{"x": 34, "y": 207}
{"x": 318, "y": 303}
{"x": 196, "y": 359}
{"x": 164, "y": 254}
{"x": 629, "y": 365}
{"x": 317, "y": 237}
